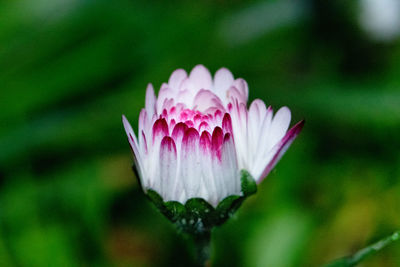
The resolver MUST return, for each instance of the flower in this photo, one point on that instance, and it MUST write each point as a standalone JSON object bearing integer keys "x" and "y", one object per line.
{"x": 197, "y": 135}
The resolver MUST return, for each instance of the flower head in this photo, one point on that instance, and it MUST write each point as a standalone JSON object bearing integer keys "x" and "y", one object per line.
{"x": 198, "y": 134}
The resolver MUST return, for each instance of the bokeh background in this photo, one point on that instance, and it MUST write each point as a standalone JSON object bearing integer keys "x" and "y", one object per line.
{"x": 69, "y": 69}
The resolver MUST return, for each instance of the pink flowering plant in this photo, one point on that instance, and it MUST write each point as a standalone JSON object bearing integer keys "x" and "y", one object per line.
{"x": 200, "y": 151}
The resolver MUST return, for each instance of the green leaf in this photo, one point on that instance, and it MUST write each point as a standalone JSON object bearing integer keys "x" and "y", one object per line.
{"x": 365, "y": 252}
{"x": 249, "y": 185}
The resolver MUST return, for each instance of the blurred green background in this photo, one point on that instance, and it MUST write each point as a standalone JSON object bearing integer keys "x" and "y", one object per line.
{"x": 69, "y": 69}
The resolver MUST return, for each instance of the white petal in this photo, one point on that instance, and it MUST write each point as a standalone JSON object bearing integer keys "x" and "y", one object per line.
{"x": 262, "y": 143}
{"x": 256, "y": 116}
{"x": 168, "y": 168}
{"x": 136, "y": 154}
{"x": 176, "y": 79}
{"x": 150, "y": 100}
{"x": 201, "y": 78}
{"x": 185, "y": 97}
{"x": 217, "y": 142}
{"x": 164, "y": 94}
{"x": 223, "y": 79}
{"x": 206, "y": 161}
{"x": 190, "y": 172}
{"x": 239, "y": 117}
{"x": 143, "y": 121}
{"x": 230, "y": 171}
{"x": 159, "y": 130}
{"x": 206, "y": 99}
{"x": 242, "y": 87}
{"x": 280, "y": 124}
{"x": 279, "y": 149}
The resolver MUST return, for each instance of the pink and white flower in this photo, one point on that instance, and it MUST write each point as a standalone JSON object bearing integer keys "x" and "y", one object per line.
{"x": 196, "y": 136}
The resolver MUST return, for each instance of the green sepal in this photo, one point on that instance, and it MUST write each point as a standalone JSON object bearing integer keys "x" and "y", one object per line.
{"x": 197, "y": 215}
{"x": 155, "y": 198}
{"x": 227, "y": 207}
{"x": 198, "y": 207}
{"x": 174, "y": 210}
{"x": 249, "y": 185}
{"x": 200, "y": 215}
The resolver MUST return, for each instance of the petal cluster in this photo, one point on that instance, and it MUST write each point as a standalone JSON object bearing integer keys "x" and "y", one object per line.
{"x": 196, "y": 136}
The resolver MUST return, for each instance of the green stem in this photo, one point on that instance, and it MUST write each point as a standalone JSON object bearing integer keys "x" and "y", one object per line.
{"x": 202, "y": 246}
{"x": 359, "y": 256}
{"x": 365, "y": 252}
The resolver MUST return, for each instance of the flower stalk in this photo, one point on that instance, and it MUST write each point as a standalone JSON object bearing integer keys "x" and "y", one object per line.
{"x": 202, "y": 244}
{"x": 362, "y": 254}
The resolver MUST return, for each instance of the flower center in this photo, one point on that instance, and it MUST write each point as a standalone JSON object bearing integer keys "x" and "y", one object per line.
{"x": 180, "y": 123}
{"x": 190, "y": 118}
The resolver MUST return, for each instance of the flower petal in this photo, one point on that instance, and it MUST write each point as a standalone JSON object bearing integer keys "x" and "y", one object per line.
{"x": 144, "y": 127}
{"x": 190, "y": 171}
{"x": 230, "y": 170}
{"x": 239, "y": 116}
{"x": 208, "y": 179}
{"x": 205, "y": 99}
{"x": 168, "y": 168}
{"x": 160, "y": 129}
{"x": 280, "y": 124}
{"x": 204, "y": 126}
{"x": 281, "y": 148}
{"x": 150, "y": 100}
{"x": 242, "y": 89}
{"x": 200, "y": 78}
{"x": 164, "y": 94}
{"x": 227, "y": 123}
{"x": 205, "y": 143}
{"x": 223, "y": 79}
{"x": 176, "y": 79}
{"x": 217, "y": 141}
{"x": 178, "y": 132}
{"x": 134, "y": 146}
{"x": 257, "y": 112}
{"x": 262, "y": 143}
{"x": 185, "y": 96}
